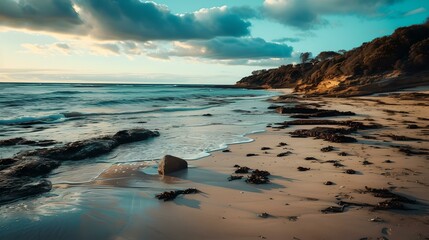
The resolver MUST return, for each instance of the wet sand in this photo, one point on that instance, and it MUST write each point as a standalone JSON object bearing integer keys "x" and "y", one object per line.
{"x": 294, "y": 199}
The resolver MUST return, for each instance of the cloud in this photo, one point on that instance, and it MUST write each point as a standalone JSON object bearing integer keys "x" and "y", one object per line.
{"x": 309, "y": 14}
{"x": 227, "y": 48}
{"x": 49, "y": 49}
{"x": 143, "y": 21}
{"x": 46, "y": 15}
{"x": 283, "y": 40}
{"x": 415, "y": 11}
{"x": 125, "y": 19}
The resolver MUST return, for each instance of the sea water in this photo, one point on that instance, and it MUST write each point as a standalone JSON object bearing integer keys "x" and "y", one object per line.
{"x": 192, "y": 120}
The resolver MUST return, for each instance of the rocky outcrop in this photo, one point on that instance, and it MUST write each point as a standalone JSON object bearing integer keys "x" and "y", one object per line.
{"x": 389, "y": 63}
{"x": 23, "y": 141}
{"x": 170, "y": 164}
{"x": 20, "y": 175}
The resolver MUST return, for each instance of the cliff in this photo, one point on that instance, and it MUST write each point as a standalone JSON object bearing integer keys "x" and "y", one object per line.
{"x": 389, "y": 63}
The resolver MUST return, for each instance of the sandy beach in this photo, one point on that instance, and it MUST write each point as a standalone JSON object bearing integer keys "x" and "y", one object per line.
{"x": 293, "y": 199}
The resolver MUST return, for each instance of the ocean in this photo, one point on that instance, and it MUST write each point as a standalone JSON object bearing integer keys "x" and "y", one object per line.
{"x": 193, "y": 121}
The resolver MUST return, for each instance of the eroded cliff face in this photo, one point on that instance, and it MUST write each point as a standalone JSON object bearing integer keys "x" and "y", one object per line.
{"x": 388, "y": 63}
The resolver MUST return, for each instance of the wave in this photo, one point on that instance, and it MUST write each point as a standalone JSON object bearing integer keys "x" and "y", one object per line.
{"x": 33, "y": 120}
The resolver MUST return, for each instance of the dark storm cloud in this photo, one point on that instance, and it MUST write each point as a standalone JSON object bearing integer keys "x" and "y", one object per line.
{"x": 309, "y": 14}
{"x": 229, "y": 48}
{"x": 47, "y": 15}
{"x": 124, "y": 19}
{"x": 142, "y": 21}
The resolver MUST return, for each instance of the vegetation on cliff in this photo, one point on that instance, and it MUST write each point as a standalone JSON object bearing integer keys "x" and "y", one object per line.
{"x": 388, "y": 63}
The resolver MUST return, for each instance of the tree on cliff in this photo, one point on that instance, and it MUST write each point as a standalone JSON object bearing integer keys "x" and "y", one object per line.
{"x": 305, "y": 56}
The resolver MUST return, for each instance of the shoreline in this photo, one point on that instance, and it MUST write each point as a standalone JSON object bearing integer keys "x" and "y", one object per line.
{"x": 293, "y": 200}
{"x": 306, "y": 191}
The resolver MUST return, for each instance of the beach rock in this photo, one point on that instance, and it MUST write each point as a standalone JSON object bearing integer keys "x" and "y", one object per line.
{"x": 232, "y": 178}
{"x": 251, "y": 155}
{"x": 265, "y": 148}
{"x": 242, "y": 170}
{"x": 343, "y": 154}
{"x": 12, "y": 188}
{"x": 207, "y": 115}
{"x": 311, "y": 112}
{"x": 413, "y": 126}
{"x": 326, "y": 133}
{"x": 226, "y": 151}
{"x": 171, "y": 195}
{"x": 31, "y": 167}
{"x": 350, "y": 171}
{"x": 258, "y": 177}
{"x": 333, "y": 209}
{"x": 310, "y": 158}
{"x": 328, "y": 183}
{"x": 170, "y": 164}
{"x": 327, "y": 149}
{"x": 23, "y": 141}
{"x": 133, "y": 135}
{"x": 90, "y": 148}
{"x": 303, "y": 169}
{"x": 284, "y": 154}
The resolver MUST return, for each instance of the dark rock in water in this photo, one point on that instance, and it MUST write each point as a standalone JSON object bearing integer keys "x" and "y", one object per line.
{"x": 327, "y": 149}
{"x": 133, "y": 135}
{"x": 251, "y": 155}
{"x": 171, "y": 195}
{"x": 232, "y": 178}
{"x": 284, "y": 154}
{"x": 23, "y": 141}
{"x": 326, "y": 133}
{"x": 412, "y": 126}
{"x": 226, "y": 151}
{"x": 273, "y": 107}
{"x": 207, "y": 115}
{"x": 265, "y": 148}
{"x": 343, "y": 154}
{"x": 368, "y": 137}
{"x": 6, "y": 162}
{"x": 242, "y": 170}
{"x": 350, "y": 171}
{"x": 310, "y": 158}
{"x": 303, "y": 169}
{"x": 333, "y": 209}
{"x": 18, "y": 174}
{"x": 328, "y": 183}
{"x": 92, "y": 147}
{"x": 32, "y": 167}
{"x": 170, "y": 164}
{"x": 12, "y": 188}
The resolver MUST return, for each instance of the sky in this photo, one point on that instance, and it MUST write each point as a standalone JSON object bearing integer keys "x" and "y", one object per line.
{"x": 183, "y": 42}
